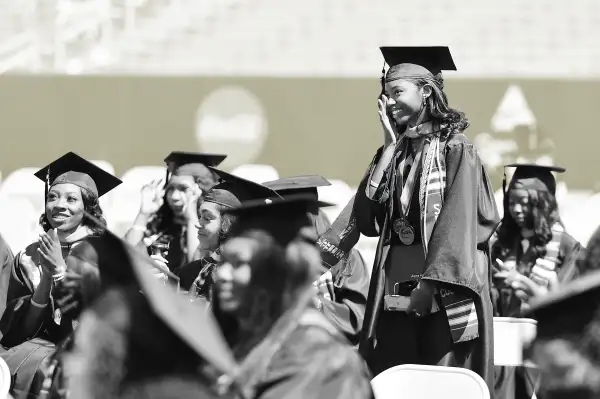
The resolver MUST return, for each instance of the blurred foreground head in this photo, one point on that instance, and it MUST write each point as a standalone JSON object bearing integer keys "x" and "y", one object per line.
{"x": 567, "y": 346}
{"x": 268, "y": 262}
{"x": 140, "y": 335}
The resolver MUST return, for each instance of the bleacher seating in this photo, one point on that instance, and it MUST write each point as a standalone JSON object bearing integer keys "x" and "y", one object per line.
{"x": 330, "y": 38}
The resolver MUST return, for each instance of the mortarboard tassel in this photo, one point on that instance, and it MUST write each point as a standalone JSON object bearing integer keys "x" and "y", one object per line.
{"x": 47, "y": 184}
{"x": 382, "y": 79}
{"x": 504, "y": 197}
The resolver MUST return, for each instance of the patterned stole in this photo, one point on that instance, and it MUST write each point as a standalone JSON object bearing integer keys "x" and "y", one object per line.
{"x": 552, "y": 249}
{"x": 342, "y": 236}
{"x": 203, "y": 282}
{"x": 460, "y": 309}
{"x": 553, "y": 246}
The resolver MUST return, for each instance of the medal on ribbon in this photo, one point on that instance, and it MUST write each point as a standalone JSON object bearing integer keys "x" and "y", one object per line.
{"x": 405, "y": 232}
{"x": 57, "y": 316}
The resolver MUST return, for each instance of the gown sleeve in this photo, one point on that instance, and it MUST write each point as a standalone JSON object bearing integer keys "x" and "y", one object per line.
{"x": 571, "y": 251}
{"x": 370, "y": 210}
{"x": 312, "y": 365}
{"x": 466, "y": 222}
{"x": 350, "y": 285}
{"x": 18, "y": 305}
{"x": 6, "y": 262}
{"x": 23, "y": 279}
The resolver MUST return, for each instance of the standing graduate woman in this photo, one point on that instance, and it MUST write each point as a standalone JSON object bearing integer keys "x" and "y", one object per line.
{"x": 428, "y": 197}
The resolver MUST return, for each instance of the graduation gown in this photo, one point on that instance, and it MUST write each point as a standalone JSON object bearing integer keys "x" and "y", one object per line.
{"x": 199, "y": 271}
{"x": 520, "y": 382}
{"x": 31, "y": 358}
{"x": 176, "y": 236}
{"x": 506, "y": 304}
{"x": 315, "y": 362}
{"x": 457, "y": 258}
{"x": 6, "y": 263}
{"x": 25, "y": 276}
{"x": 348, "y": 295}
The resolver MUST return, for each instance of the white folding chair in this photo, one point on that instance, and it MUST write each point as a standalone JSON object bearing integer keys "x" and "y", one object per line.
{"x": 127, "y": 197}
{"x": 5, "y": 380}
{"x": 411, "y": 381}
{"x": 22, "y": 184}
{"x": 18, "y": 222}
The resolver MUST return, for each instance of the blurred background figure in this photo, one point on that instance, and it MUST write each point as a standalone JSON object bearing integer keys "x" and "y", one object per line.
{"x": 532, "y": 255}
{"x": 567, "y": 344}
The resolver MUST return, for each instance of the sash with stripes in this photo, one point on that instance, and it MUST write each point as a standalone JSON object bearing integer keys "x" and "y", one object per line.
{"x": 460, "y": 309}
{"x": 551, "y": 260}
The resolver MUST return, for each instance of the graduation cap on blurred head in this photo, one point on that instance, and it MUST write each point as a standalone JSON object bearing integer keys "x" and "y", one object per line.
{"x": 190, "y": 321}
{"x": 194, "y": 164}
{"x": 300, "y": 185}
{"x": 569, "y": 309}
{"x": 415, "y": 62}
{"x": 232, "y": 190}
{"x": 284, "y": 219}
{"x": 533, "y": 177}
{"x": 73, "y": 169}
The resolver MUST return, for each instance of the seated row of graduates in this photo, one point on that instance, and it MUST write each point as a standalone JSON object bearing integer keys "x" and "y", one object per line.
{"x": 85, "y": 312}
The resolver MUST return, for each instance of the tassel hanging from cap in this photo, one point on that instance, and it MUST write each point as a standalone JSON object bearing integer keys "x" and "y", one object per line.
{"x": 47, "y": 184}
{"x": 382, "y": 79}
{"x": 504, "y": 197}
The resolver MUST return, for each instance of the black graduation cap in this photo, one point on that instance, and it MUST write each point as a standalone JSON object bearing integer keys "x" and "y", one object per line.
{"x": 188, "y": 163}
{"x": 433, "y": 59}
{"x": 285, "y": 219}
{"x": 71, "y": 168}
{"x": 233, "y": 190}
{"x": 533, "y": 176}
{"x": 300, "y": 185}
{"x": 193, "y": 323}
{"x": 569, "y": 309}
{"x": 307, "y": 185}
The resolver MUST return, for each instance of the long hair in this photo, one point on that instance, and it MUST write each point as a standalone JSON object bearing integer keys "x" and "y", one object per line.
{"x": 91, "y": 205}
{"x": 163, "y": 220}
{"x": 544, "y": 215}
{"x": 438, "y": 109}
{"x": 278, "y": 275}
